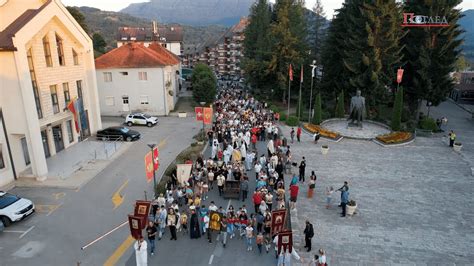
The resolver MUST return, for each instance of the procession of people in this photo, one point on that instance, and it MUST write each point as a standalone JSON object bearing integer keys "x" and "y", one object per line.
{"x": 241, "y": 125}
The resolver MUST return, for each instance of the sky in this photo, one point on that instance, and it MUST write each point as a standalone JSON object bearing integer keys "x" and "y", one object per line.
{"x": 116, "y": 5}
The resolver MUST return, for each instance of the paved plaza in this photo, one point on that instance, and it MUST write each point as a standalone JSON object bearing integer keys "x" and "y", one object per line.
{"x": 414, "y": 202}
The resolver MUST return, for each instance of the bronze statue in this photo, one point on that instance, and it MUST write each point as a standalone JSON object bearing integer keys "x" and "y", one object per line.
{"x": 357, "y": 110}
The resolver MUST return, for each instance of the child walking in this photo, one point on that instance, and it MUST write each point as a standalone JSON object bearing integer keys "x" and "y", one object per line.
{"x": 329, "y": 191}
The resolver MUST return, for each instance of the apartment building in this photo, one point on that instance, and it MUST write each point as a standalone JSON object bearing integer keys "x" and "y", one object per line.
{"x": 47, "y": 66}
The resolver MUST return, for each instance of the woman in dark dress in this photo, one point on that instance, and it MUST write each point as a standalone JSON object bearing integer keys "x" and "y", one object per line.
{"x": 194, "y": 228}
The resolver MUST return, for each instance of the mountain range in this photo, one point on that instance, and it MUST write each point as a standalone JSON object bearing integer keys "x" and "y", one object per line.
{"x": 192, "y": 12}
{"x": 467, "y": 23}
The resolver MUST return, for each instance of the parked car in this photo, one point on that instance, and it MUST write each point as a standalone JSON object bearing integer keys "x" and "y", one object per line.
{"x": 2, "y": 227}
{"x": 141, "y": 119}
{"x": 14, "y": 208}
{"x": 118, "y": 133}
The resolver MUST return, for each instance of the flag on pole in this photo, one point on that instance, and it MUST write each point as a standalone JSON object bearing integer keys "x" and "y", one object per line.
{"x": 156, "y": 160}
{"x": 207, "y": 115}
{"x": 198, "y": 111}
{"x": 301, "y": 78}
{"x": 399, "y": 75}
{"x": 72, "y": 107}
{"x": 291, "y": 73}
{"x": 149, "y": 167}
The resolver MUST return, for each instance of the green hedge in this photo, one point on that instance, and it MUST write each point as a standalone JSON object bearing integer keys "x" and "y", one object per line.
{"x": 428, "y": 123}
{"x": 292, "y": 121}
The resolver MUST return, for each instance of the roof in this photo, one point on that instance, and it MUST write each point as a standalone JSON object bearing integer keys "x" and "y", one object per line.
{"x": 464, "y": 87}
{"x": 171, "y": 33}
{"x": 240, "y": 27}
{"x": 6, "y": 36}
{"x": 172, "y": 58}
{"x": 136, "y": 55}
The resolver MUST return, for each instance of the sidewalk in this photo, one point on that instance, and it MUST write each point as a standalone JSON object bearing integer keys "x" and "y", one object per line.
{"x": 75, "y": 166}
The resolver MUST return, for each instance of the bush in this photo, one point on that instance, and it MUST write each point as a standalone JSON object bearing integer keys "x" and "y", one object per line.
{"x": 201, "y": 136}
{"x": 317, "y": 119}
{"x": 340, "y": 105}
{"x": 428, "y": 123}
{"x": 292, "y": 121}
{"x": 283, "y": 117}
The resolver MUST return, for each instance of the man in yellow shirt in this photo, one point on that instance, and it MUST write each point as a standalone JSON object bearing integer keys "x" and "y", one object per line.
{"x": 452, "y": 138}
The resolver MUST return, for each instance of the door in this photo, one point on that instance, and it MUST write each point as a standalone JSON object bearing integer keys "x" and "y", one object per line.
{"x": 26, "y": 154}
{"x": 44, "y": 138}
{"x": 139, "y": 120}
{"x": 58, "y": 138}
{"x": 125, "y": 105}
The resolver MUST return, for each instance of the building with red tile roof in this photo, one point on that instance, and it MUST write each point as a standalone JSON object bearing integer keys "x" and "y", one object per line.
{"x": 136, "y": 78}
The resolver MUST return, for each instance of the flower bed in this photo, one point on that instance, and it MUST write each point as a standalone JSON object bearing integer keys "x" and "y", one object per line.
{"x": 395, "y": 137}
{"x": 322, "y": 131}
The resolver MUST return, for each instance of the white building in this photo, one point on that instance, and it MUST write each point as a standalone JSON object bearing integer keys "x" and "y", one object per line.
{"x": 135, "y": 78}
{"x": 170, "y": 36}
{"x": 46, "y": 61}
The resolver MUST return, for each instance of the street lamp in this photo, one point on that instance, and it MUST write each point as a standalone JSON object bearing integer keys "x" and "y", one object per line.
{"x": 313, "y": 67}
{"x": 152, "y": 146}
{"x": 202, "y": 104}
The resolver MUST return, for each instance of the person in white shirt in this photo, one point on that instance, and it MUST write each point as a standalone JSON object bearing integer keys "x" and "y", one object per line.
{"x": 141, "y": 252}
{"x": 212, "y": 207}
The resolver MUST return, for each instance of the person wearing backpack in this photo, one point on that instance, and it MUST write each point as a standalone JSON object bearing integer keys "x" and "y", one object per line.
{"x": 308, "y": 234}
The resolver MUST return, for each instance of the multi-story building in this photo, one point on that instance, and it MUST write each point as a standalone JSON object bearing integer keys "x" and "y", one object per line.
{"x": 224, "y": 55}
{"x": 46, "y": 62}
{"x": 135, "y": 78}
{"x": 169, "y": 36}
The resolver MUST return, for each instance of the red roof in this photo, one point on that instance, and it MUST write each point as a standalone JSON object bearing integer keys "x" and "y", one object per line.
{"x": 135, "y": 55}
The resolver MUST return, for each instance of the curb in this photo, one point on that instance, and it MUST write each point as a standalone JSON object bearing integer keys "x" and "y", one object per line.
{"x": 461, "y": 106}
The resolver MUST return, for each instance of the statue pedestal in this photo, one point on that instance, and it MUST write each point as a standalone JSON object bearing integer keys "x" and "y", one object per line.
{"x": 352, "y": 126}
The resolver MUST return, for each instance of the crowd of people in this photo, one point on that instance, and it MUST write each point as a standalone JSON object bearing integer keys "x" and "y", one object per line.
{"x": 241, "y": 124}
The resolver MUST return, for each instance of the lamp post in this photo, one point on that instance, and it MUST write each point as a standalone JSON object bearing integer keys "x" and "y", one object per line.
{"x": 313, "y": 67}
{"x": 202, "y": 104}
{"x": 152, "y": 146}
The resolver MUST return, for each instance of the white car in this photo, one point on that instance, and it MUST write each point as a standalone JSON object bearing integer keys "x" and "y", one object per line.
{"x": 14, "y": 208}
{"x": 141, "y": 119}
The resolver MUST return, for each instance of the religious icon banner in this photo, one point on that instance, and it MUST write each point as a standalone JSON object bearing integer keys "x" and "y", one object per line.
{"x": 183, "y": 171}
{"x": 136, "y": 226}
{"x": 142, "y": 209}
{"x": 278, "y": 221}
{"x": 285, "y": 241}
{"x": 215, "y": 219}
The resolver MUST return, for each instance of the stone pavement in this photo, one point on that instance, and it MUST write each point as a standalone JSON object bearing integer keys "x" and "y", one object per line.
{"x": 414, "y": 202}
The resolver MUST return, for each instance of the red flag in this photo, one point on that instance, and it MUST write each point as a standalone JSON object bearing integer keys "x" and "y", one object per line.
{"x": 301, "y": 78}
{"x": 149, "y": 167}
{"x": 71, "y": 107}
{"x": 156, "y": 161}
{"x": 199, "y": 115}
{"x": 399, "y": 75}
{"x": 291, "y": 73}
{"x": 207, "y": 115}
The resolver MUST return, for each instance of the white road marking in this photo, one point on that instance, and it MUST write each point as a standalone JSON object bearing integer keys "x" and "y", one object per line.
{"x": 210, "y": 259}
{"x": 53, "y": 209}
{"x": 27, "y": 231}
{"x": 12, "y": 231}
{"x": 228, "y": 204}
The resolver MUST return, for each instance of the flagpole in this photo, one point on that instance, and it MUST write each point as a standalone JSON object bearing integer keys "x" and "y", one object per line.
{"x": 289, "y": 86}
{"x": 299, "y": 97}
{"x": 311, "y": 93}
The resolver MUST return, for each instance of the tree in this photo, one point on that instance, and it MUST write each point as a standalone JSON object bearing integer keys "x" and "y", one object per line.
{"x": 256, "y": 48}
{"x": 288, "y": 36}
{"x": 431, "y": 54}
{"x": 319, "y": 32}
{"x": 397, "y": 111}
{"x": 317, "y": 119}
{"x": 340, "y": 105}
{"x": 204, "y": 84}
{"x": 78, "y": 16}
{"x": 98, "y": 42}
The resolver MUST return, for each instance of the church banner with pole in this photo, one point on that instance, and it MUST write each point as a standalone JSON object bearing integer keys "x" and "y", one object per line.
{"x": 278, "y": 221}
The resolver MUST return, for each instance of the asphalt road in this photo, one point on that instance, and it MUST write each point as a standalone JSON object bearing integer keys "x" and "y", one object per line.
{"x": 69, "y": 219}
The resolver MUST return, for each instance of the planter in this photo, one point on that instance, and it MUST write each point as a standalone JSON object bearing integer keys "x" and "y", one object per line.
{"x": 350, "y": 209}
{"x": 200, "y": 142}
{"x": 182, "y": 114}
{"x": 324, "y": 149}
{"x": 457, "y": 146}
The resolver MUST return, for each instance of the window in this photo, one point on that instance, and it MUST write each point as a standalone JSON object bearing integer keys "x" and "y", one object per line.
{"x": 75, "y": 57}
{"x": 54, "y": 98}
{"x": 47, "y": 52}
{"x": 69, "y": 131}
{"x": 34, "y": 84}
{"x": 67, "y": 96}
{"x": 79, "y": 89}
{"x": 59, "y": 45}
{"x": 2, "y": 162}
{"x": 124, "y": 73}
{"x": 109, "y": 101}
{"x": 142, "y": 76}
{"x": 26, "y": 154}
{"x": 164, "y": 45}
{"x": 143, "y": 99}
{"x": 107, "y": 76}
{"x": 125, "y": 99}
